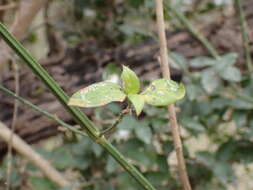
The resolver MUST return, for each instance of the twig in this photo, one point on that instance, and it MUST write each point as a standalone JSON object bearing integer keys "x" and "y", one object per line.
{"x": 193, "y": 30}
{"x": 8, "y": 6}
{"x": 119, "y": 118}
{"x": 27, "y": 11}
{"x": 13, "y": 126}
{"x": 24, "y": 149}
{"x": 245, "y": 35}
{"x": 47, "y": 114}
{"x": 171, "y": 109}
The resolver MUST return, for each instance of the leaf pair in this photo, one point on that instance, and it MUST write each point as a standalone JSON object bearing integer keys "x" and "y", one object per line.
{"x": 161, "y": 92}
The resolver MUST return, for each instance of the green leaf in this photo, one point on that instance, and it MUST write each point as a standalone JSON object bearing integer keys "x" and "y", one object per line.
{"x": 193, "y": 91}
{"x": 143, "y": 132}
{"x": 63, "y": 160}
{"x": 41, "y": 183}
{"x": 111, "y": 165}
{"x": 178, "y": 61}
{"x": 210, "y": 81}
{"x": 225, "y": 61}
{"x": 131, "y": 83}
{"x": 97, "y": 149}
{"x": 128, "y": 122}
{"x": 138, "y": 102}
{"x": 240, "y": 104}
{"x": 202, "y": 62}
{"x": 163, "y": 92}
{"x": 97, "y": 94}
{"x": 192, "y": 125}
{"x": 231, "y": 73}
{"x": 136, "y": 3}
{"x": 224, "y": 172}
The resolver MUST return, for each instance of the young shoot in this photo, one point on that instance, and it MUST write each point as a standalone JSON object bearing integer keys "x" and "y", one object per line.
{"x": 160, "y": 92}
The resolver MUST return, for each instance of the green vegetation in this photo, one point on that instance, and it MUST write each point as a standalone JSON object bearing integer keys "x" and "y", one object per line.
{"x": 215, "y": 113}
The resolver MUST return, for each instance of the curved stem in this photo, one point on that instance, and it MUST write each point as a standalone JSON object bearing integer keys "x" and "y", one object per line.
{"x": 119, "y": 119}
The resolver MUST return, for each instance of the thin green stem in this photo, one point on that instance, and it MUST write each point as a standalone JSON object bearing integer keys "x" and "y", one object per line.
{"x": 118, "y": 120}
{"x": 192, "y": 30}
{"x": 76, "y": 113}
{"x": 38, "y": 109}
{"x": 245, "y": 35}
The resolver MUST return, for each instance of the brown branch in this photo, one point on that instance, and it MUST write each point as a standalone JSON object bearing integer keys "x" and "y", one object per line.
{"x": 24, "y": 149}
{"x": 13, "y": 125}
{"x": 171, "y": 108}
{"x": 23, "y": 19}
{"x": 8, "y": 6}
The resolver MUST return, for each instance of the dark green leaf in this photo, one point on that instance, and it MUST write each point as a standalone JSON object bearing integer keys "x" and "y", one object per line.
{"x": 143, "y": 132}
{"x": 192, "y": 125}
{"x": 128, "y": 122}
{"x": 40, "y": 183}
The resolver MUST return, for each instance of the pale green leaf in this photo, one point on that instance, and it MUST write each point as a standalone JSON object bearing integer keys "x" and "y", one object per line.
{"x": 131, "y": 83}
{"x": 225, "y": 61}
{"x": 178, "y": 61}
{"x": 210, "y": 80}
{"x": 163, "y": 92}
{"x": 97, "y": 94}
{"x": 143, "y": 132}
{"x": 202, "y": 62}
{"x": 138, "y": 102}
{"x": 231, "y": 73}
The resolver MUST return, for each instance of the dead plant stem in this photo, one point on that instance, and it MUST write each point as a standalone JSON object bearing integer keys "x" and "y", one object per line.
{"x": 8, "y": 6}
{"x": 13, "y": 125}
{"x": 171, "y": 109}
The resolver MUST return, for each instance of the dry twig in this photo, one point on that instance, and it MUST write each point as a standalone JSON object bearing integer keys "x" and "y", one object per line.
{"x": 171, "y": 109}
{"x": 8, "y": 6}
{"x": 24, "y": 149}
{"x": 23, "y": 19}
{"x": 14, "y": 121}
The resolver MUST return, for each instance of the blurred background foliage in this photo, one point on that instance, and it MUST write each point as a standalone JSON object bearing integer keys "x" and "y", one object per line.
{"x": 216, "y": 114}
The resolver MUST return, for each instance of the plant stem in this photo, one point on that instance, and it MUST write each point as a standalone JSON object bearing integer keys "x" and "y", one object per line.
{"x": 76, "y": 113}
{"x": 36, "y": 108}
{"x": 119, "y": 119}
{"x": 171, "y": 109}
{"x": 13, "y": 126}
{"x": 193, "y": 30}
{"x": 25, "y": 150}
{"x": 245, "y": 35}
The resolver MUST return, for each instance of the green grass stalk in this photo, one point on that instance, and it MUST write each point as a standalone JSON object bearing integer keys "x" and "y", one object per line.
{"x": 192, "y": 30}
{"x": 76, "y": 113}
{"x": 245, "y": 36}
